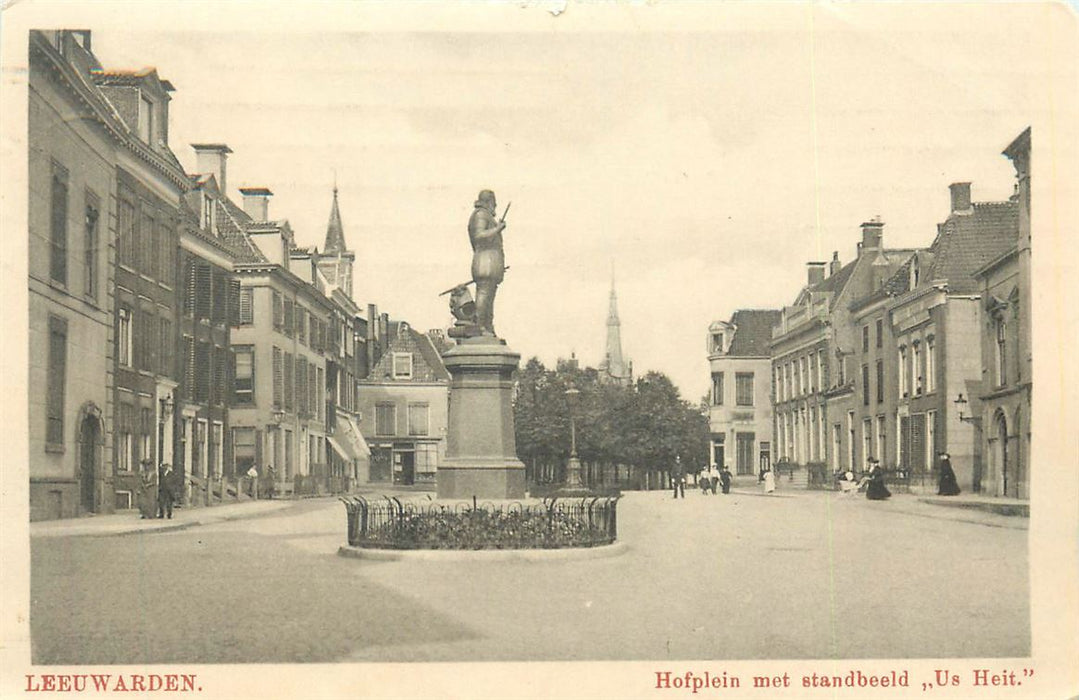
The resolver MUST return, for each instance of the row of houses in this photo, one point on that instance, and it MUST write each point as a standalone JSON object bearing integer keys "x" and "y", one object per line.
{"x": 897, "y": 356}
{"x": 169, "y": 324}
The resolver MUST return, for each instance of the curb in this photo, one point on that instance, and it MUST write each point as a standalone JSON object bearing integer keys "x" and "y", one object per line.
{"x": 1021, "y": 510}
{"x": 138, "y": 529}
{"x": 483, "y": 555}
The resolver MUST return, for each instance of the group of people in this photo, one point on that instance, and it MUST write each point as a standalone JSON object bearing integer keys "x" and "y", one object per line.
{"x": 157, "y": 490}
{"x": 947, "y": 484}
{"x": 708, "y": 479}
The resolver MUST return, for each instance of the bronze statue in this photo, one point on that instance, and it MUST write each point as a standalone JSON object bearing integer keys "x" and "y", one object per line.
{"x": 488, "y": 260}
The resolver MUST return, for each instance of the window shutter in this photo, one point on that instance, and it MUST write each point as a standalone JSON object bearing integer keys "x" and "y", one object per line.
{"x": 203, "y": 290}
{"x": 278, "y": 377}
{"x": 288, "y": 381}
{"x": 236, "y": 303}
{"x": 247, "y": 311}
{"x": 278, "y": 314}
{"x": 189, "y": 366}
{"x": 189, "y": 291}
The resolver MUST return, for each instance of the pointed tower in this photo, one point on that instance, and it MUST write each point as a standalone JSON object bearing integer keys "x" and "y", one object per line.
{"x": 335, "y": 261}
{"x": 613, "y": 367}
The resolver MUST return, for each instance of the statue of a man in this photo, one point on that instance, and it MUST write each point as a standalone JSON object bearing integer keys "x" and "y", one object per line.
{"x": 488, "y": 260}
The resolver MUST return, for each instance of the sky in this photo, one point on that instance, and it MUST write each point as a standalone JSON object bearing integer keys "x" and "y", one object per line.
{"x": 699, "y": 167}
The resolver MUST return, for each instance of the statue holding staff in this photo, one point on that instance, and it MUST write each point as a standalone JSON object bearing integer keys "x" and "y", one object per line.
{"x": 488, "y": 259}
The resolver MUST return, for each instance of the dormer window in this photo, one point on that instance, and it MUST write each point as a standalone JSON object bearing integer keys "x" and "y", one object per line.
{"x": 915, "y": 273}
{"x": 209, "y": 213}
{"x": 146, "y": 119}
{"x": 717, "y": 343}
{"x": 402, "y": 365}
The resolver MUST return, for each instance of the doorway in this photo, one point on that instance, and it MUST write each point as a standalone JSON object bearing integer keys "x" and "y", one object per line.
{"x": 405, "y": 467}
{"x": 1002, "y": 453}
{"x": 89, "y": 433}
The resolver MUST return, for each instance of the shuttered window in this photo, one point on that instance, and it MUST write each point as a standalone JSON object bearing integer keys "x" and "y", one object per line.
{"x": 278, "y": 378}
{"x": 247, "y": 306}
{"x": 219, "y": 388}
{"x": 58, "y": 225}
{"x": 203, "y": 290}
{"x": 244, "y": 374}
{"x": 743, "y": 386}
{"x": 189, "y": 366}
{"x": 202, "y": 372}
{"x": 56, "y": 380}
{"x": 278, "y": 313}
{"x": 288, "y": 321}
{"x": 164, "y": 346}
{"x": 288, "y": 381}
{"x": 126, "y": 235}
{"x": 385, "y": 419}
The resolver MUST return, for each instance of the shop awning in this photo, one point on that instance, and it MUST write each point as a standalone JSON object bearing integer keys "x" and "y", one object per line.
{"x": 340, "y": 450}
{"x": 351, "y": 437}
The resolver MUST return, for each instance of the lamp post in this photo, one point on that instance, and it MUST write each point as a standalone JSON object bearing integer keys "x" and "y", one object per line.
{"x": 165, "y": 404}
{"x": 961, "y": 405}
{"x": 573, "y": 467}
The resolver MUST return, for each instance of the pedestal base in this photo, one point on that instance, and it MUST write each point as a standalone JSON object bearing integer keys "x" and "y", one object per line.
{"x": 460, "y": 479}
{"x": 481, "y": 450}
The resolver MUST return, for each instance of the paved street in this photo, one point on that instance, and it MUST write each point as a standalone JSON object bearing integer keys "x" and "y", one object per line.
{"x": 795, "y": 575}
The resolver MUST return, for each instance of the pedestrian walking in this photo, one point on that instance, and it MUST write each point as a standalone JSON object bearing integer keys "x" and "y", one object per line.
{"x": 165, "y": 491}
{"x": 948, "y": 486}
{"x": 725, "y": 479}
{"x": 253, "y": 475}
{"x": 271, "y": 475}
{"x": 713, "y": 477}
{"x": 678, "y": 478}
{"x": 148, "y": 490}
{"x": 703, "y": 481}
{"x": 769, "y": 480}
{"x": 876, "y": 491}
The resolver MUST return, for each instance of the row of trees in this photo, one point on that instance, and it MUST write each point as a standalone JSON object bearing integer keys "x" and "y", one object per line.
{"x": 626, "y": 435}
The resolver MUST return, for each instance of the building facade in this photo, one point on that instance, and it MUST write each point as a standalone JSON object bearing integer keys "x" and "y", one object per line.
{"x": 740, "y": 403}
{"x": 403, "y": 407}
{"x": 1006, "y": 349}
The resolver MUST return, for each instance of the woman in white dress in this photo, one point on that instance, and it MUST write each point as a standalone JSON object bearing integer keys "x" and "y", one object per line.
{"x": 769, "y": 481}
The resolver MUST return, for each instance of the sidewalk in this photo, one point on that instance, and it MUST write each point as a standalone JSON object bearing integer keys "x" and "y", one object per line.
{"x": 130, "y": 522}
{"x": 991, "y": 504}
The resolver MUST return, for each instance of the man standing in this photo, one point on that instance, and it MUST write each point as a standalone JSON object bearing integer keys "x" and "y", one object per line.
{"x": 164, "y": 491}
{"x": 488, "y": 259}
{"x": 678, "y": 478}
{"x": 713, "y": 477}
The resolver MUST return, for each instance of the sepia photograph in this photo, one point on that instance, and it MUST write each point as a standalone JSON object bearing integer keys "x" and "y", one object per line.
{"x": 540, "y": 349}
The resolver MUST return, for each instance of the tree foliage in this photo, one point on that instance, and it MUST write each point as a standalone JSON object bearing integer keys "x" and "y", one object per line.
{"x": 643, "y": 426}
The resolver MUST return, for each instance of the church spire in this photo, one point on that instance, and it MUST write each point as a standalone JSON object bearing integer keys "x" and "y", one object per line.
{"x": 614, "y": 365}
{"x": 335, "y": 232}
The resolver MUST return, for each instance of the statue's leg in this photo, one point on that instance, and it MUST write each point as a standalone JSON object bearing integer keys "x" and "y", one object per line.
{"x": 484, "y": 300}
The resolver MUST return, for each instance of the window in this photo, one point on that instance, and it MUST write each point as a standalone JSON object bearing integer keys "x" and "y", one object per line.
{"x": 126, "y": 237}
{"x": 146, "y": 233}
{"x": 867, "y": 442}
{"x": 1002, "y": 371}
{"x": 789, "y": 393}
{"x": 882, "y": 438}
{"x": 744, "y": 453}
{"x": 803, "y": 379}
{"x": 58, "y": 226}
{"x": 880, "y": 333}
{"x": 218, "y": 437}
{"x": 916, "y": 366}
{"x": 865, "y": 338}
{"x": 166, "y": 255}
{"x": 123, "y": 336}
{"x": 880, "y": 381}
{"x": 289, "y": 318}
{"x": 930, "y": 365}
{"x": 202, "y": 370}
{"x": 247, "y": 306}
{"x": 743, "y": 388}
{"x": 795, "y": 389}
{"x": 278, "y": 313}
{"x": 301, "y": 324}
{"x": 244, "y": 374}
{"x": 904, "y": 385}
{"x": 125, "y": 444}
{"x": 820, "y": 370}
{"x": 865, "y": 385}
{"x": 243, "y": 449}
{"x": 850, "y": 439}
{"x": 146, "y": 119}
{"x": 90, "y": 245}
{"x": 426, "y": 460}
{"x": 418, "y": 419}
{"x": 57, "y": 376}
{"x": 930, "y": 438}
{"x": 320, "y": 387}
{"x": 717, "y": 388}
{"x": 164, "y": 328}
{"x": 717, "y": 343}
{"x": 385, "y": 419}
{"x": 402, "y": 365}
{"x": 810, "y": 387}
{"x": 278, "y": 378}
{"x": 288, "y": 381}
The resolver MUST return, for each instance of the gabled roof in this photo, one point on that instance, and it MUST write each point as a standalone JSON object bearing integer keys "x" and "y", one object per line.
{"x": 428, "y": 367}
{"x": 753, "y": 332}
{"x": 967, "y": 242}
{"x": 132, "y": 77}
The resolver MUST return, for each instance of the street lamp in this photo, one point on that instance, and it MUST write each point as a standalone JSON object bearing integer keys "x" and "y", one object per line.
{"x": 573, "y": 467}
{"x": 165, "y": 404}
{"x": 961, "y": 405}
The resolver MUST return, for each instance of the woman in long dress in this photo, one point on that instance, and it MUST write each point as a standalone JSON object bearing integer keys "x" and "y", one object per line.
{"x": 769, "y": 481}
{"x": 948, "y": 486}
{"x": 877, "y": 491}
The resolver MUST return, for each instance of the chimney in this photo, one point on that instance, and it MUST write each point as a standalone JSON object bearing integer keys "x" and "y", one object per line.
{"x": 814, "y": 273}
{"x": 960, "y": 197}
{"x": 257, "y": 202}
{"x": 833, "y": 267}
{"x": 210, "y": 158}
{"x": 872, "y": 235}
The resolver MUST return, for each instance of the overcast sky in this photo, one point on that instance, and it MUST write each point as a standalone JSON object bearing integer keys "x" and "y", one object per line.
{"x": 706, "y": 165}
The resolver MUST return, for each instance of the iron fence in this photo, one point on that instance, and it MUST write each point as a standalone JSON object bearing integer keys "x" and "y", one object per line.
{"x": 555, "y": 523}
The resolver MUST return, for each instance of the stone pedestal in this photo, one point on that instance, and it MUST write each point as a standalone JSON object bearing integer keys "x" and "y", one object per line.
{"x": 481, "y": 449}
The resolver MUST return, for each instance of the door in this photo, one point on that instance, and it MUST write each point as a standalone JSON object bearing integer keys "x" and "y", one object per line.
{"x": 88, "y": 463}
{"x": 407, "y": 464}
{"x": 1002, "y": 451}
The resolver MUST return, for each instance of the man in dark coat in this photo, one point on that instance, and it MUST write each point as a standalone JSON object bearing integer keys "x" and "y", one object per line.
{"x": 725, "y": 479}
{"x": 678, "y": 478}
{"x": 948, "y": 486}
{"x": 165, "y": 486}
